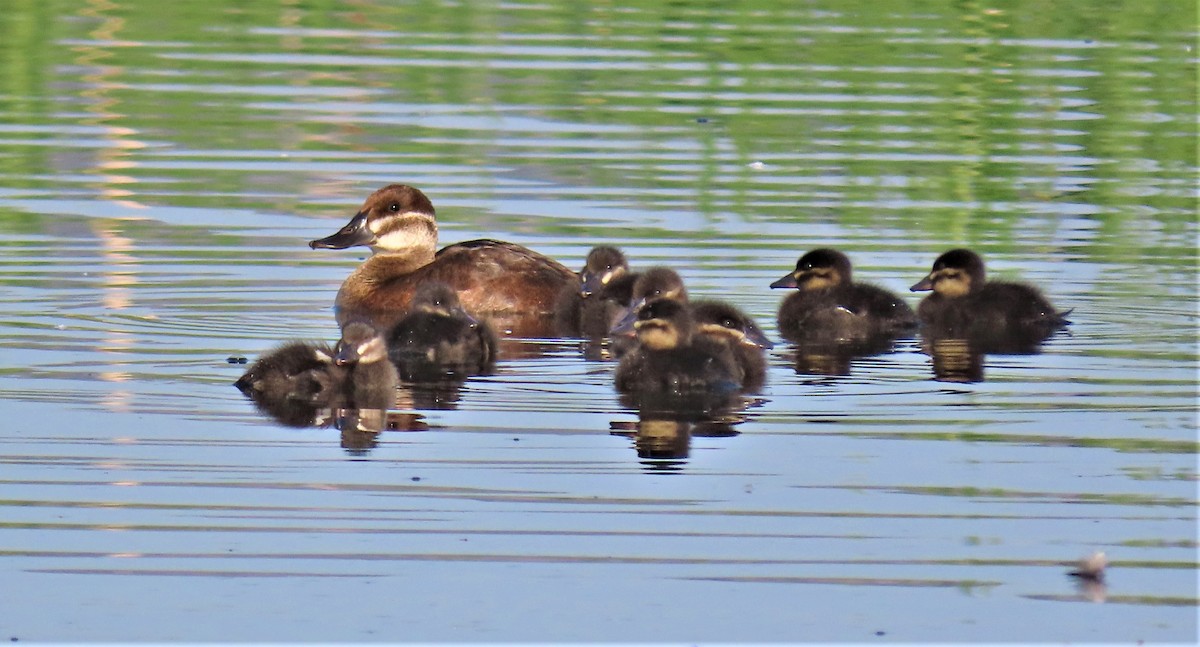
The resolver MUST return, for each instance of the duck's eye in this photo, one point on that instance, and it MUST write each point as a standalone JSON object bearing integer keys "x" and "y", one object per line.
{"x": 729, "y": 323}
{"x": 393, "y": 207}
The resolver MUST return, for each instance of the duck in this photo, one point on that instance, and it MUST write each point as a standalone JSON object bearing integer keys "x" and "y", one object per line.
{"x": 399, "y": 224}
{"x": 590, "y": 306}
{"x": 965, "y": 304}
{"x": 294, "y": 371}
{"x": 828, "y": 304}
{"x": 725, "y": 323}
{"x": 369, "y": 378}
{"x": 439, "y": 337}
{"x": 670, "y": 360}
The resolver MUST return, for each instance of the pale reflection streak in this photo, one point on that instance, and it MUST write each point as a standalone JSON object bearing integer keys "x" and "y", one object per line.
{"x": 115, "y": 249}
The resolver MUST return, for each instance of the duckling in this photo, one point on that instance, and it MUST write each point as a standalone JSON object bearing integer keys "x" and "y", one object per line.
{"x": 723, "y": 322}
{"x": 655, "y": 283}
{"x": 670, "y": 360}
{"x": 596, "y": 302}
{"x": 491, "y": 277}
{"x": 828, "y": 304}
{"x": 439, "y": 337}
{"x": 293, "y": 371}
{"x": 371, "y": 378}
{"x": 965, "y": 304}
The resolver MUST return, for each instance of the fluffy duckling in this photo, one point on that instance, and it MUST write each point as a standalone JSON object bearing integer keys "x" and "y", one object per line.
{"x": 590, "y": 307}
{"x": 723, "y": 322}
{"x": 293, "y": 371}
{"x": 371, "y": 380}
{"x": 829, "y": 304}
{"x": 965, "y": 304}
{"x": 438, "y": 336}
{"x": 491, "y": 277}
{"x": 655, "y": 283}
{"x": 670, "y": 360}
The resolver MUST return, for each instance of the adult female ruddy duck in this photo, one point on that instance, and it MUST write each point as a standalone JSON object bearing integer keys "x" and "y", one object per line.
{"x": 829, "y": 305}
{"x": 964, "y": 304}
{"x": 515, "y": 285}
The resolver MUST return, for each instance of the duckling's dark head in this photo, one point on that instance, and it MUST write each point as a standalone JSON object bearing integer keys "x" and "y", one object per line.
{"x": 437, "y": 298}
{"x": 724, "y": 321}
{"x": 956, "y": 273}
{"x": 397, "y": 217}
{"x": 663, "y": 324}
{"x": 659, "y": 283}
{"x": 817, "y": 270}
{"x": 603, "y": 265}
{"x": 653, "y": 284}
{"x": 360, "y": 343}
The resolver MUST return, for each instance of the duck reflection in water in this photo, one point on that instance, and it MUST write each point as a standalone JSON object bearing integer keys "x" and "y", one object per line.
{"x": 663, "y": 439}
{"x": 832, "y": 320}
{"x": 968, "y": 317}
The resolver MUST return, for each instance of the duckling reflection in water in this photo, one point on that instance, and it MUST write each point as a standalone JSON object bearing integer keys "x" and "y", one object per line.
{"x": 439, "y": 338}
{"x": 491, "y": 277}
{"x": 964, "y": 304}
{"x": 593, "y": 305}
{"x": 828, "y": 304}
{"x": 669, "y": 360}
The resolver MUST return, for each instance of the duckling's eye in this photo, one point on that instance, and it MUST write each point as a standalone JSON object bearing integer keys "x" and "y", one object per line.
{"x": 729, "y": 323}
{"x": 395, "y": 206}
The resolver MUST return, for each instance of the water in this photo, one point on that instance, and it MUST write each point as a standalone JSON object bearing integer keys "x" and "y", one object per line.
{"x": 160, "y": 175}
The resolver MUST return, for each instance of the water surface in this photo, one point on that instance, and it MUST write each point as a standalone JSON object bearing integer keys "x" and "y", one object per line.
{"x": 160, "y": 175}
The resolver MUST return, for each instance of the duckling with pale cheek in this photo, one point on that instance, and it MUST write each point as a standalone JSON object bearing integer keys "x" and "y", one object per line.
{"x": 371, "y": 380}
{"x": 439, "y": 337}
{"x": 965, "y": 304}
{"x": 596, "y": 302}
{"x": 828, "y": 304}
{"x": 669, "y": 359}
{"x": 725, "y": 323}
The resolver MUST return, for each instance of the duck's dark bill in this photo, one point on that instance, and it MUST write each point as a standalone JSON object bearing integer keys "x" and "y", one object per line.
{"x": 354, "y": 233}
{"x": 788, "y": 281}
{"x": 923, "y": 285}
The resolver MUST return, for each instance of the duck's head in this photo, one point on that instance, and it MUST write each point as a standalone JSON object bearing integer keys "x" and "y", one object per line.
{"x": 436, "y": 298}
{"x": 395, "y": 218}
{"x": 723, "y": 321}
{"x": 817, "y": 270}
{"x": 653, "y": 284}
{"x": 360, "y": 343}
{"x": 603, "y": 265}
{"x": 663, "y": 324}
{"x": 956, "y": 273}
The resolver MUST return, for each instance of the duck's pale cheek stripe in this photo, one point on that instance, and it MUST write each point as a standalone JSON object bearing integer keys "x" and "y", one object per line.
{"x": 395, "y": 221}
{"x": 398, "y": 232}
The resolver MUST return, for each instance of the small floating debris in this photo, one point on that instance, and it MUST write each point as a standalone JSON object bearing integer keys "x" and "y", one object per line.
{"x": 757, "y": 166}
{"x": 235, "y": 360}
{"x": 1091, "y": 567}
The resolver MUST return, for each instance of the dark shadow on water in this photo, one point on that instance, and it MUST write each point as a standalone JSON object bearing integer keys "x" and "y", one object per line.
{"x": 962, "y": 359}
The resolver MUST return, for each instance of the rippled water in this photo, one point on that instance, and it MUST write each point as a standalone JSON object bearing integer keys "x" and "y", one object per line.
{"x": 160, "y": 175}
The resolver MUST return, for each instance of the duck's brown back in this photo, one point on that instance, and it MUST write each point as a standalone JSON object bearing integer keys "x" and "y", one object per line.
{"x": 499, "y": 280}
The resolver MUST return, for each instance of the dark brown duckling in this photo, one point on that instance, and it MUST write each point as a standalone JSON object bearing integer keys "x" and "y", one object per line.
{"x": 293, "y": 371}
{"x": 439, "y": 338}
{"x": 491, "y": 277}
{"x": 670, "y": 360}
{"x": 828, "y": 304}
{"x": 655, "y": 283}
{"x": 590, "y": 307}
{"x": 965, "y": 304}
{"x": 370, "y": 379}
{"x": 725, "y": 323}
